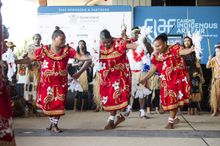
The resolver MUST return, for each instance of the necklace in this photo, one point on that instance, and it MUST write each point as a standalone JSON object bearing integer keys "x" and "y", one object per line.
{"x": 105, "y": 50}
{"x": 137, "y": 57}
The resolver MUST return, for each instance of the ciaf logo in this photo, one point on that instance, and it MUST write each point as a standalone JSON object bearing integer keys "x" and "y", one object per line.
{"x": 159, "y": 26}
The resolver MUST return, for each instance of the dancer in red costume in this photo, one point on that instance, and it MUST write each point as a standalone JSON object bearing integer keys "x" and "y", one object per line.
{"x": 115, "y": 76}
{"x": 174, "y": 79}
{"x": 52, "y": 88}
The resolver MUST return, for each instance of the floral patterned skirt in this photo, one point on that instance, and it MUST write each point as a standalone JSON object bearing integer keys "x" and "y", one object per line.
{"x": 51, "y": 98}
{"x": 175, "y": 93}
{"x": 114, "y": 92}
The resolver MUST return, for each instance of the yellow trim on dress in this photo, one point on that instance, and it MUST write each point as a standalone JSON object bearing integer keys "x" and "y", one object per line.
{"x": 174, "y": 106}
{"x": 115, "y": 107}
{"x": 51, "y": 113}
{"x": 51, "y": 55}
{"x": 112, "y": 55}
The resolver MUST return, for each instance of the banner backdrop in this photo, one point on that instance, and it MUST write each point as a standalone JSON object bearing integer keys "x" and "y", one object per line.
{"x": 179, "y": 20}
{"x": 83, "y": 22}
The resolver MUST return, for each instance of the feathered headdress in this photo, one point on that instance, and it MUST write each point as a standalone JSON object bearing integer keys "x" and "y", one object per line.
{"x": 197, "y": 38}
{"x": 144, "y": 31}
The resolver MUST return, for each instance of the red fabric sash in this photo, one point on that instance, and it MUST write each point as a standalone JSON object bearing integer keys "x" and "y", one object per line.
{"x": 5, "y": 106}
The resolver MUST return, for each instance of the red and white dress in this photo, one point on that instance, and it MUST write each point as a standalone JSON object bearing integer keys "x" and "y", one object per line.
{"x": 53, "y": 85}
{"x": 115, "y": 76}
{"x": 175, "y": 86}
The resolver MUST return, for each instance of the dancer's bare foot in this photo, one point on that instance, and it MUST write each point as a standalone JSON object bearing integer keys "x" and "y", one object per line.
{"x": 119, "y": 120}
{"x": 56, "y": 129}
{"x": 49, "y": 128}
{"x": 110, "y": 125}
{"x": 169, "y": 126}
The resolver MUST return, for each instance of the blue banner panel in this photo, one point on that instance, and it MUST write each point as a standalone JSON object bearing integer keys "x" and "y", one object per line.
{"x": 182, "y": 21}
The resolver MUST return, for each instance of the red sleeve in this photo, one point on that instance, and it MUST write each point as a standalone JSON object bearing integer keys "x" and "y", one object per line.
{"x": 153, "y": 60}
{"x": 175, "y": 49}
{"x": 122, "y": 44}
{"x": 72, "y": 52}
{"x": 38, "y": 54}
{"x": 157, "y": 63}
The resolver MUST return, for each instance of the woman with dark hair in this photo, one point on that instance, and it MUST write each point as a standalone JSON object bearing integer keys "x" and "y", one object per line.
{"x": 52, "y": 88}
{"x": 187, "y": 42}
{"x": 193, "y": 66}
{"x": 174, "y": 78}
{"x": 82, "y": 48}
{"x": 84, "y": 78}
{"x": 115, "y": 74}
